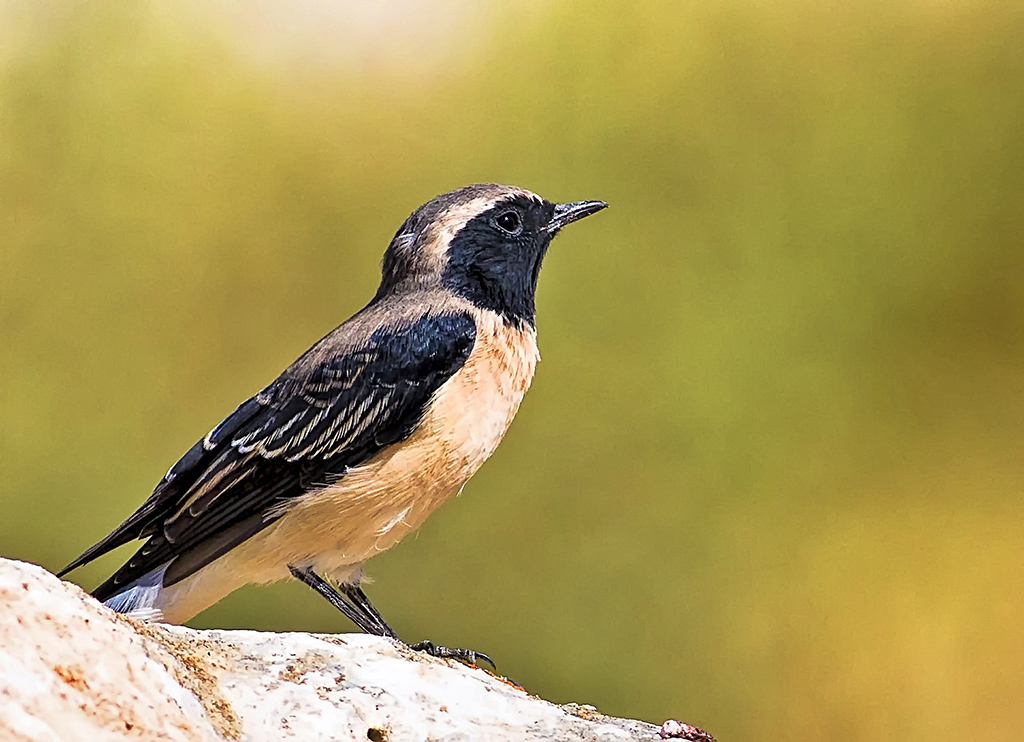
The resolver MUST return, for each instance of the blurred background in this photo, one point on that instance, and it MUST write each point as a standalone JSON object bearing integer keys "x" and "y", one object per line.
{"x": 768, "y": 479}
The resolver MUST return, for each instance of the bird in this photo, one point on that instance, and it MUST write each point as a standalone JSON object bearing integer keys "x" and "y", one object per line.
{"x": 366, "y": 433}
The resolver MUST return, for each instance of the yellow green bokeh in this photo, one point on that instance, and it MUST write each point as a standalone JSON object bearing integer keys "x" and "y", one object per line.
{"x": 769, "y": 477}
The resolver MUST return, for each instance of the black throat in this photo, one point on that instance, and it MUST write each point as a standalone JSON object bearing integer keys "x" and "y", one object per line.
{"x": 499, "y": 271}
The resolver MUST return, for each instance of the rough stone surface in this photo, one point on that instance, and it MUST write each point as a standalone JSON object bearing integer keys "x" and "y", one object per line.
{"x": 72, "y": 670}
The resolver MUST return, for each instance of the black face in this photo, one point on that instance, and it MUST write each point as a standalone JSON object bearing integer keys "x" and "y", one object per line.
{"x": 495, "y": 259}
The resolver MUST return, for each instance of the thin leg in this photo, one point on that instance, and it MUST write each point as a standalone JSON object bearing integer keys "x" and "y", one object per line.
{"x": 367, "y": 624}
{"x": 358, "y": 598}
{"x": 352, "y": 601}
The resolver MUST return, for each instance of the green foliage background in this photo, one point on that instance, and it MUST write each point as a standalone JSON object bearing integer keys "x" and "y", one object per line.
{"x": 769, "y": 477}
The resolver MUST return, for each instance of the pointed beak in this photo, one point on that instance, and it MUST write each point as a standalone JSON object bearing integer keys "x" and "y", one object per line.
{"x": 569, "y": 213}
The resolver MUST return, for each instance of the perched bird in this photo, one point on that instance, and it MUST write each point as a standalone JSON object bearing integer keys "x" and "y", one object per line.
{"x": 363, "y": 436}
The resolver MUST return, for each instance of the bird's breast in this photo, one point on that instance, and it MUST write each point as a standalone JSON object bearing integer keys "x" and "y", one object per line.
{"x": 470, "y": 413}
{"x": 374, "y": 505}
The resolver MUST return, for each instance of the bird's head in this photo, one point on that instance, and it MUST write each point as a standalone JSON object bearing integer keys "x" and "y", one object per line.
{"x": 483, "y": 242}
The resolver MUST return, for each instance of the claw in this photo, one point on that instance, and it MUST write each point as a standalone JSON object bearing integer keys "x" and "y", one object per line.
{"x": 468, "y": 656}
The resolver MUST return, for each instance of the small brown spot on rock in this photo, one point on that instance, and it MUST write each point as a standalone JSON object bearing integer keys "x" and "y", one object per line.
{"x": 72, "y": 676}
{"x": 377, "y": 735}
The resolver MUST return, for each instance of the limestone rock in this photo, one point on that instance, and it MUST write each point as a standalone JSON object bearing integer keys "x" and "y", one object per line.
{"x": 71, "y": 669}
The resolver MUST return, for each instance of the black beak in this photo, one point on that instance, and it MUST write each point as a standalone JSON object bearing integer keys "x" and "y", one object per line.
{"x": 569, "y": 213}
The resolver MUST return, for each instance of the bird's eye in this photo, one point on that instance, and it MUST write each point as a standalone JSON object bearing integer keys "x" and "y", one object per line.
{"x": 509, "y": 222}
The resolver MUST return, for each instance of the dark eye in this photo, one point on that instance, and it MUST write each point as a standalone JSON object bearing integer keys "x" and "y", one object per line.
{"x": 509, "y": 222}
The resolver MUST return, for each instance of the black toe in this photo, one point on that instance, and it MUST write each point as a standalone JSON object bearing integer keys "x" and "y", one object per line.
{"x": 468, "y": 656}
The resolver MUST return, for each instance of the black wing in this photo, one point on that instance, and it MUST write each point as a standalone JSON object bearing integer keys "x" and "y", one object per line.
{"x": 307, "y": 428}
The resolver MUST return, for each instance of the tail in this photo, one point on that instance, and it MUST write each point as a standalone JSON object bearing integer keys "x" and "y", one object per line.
{"x": 139, "y": 599}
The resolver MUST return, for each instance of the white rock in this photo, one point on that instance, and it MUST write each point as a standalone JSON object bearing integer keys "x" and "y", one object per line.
{"x": 71, "y": 669}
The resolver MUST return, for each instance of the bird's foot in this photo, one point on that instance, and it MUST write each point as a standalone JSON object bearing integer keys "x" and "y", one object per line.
{"x": 468, "y": 656}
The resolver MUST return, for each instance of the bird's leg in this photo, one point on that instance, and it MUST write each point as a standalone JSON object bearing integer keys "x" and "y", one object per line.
{"x": 370, "y": 623}
{"x": 358, "y": 598}
{"x": 352, "y": 601}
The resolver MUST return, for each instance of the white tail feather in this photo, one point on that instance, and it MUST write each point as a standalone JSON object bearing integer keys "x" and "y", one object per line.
{"x": 139, "y": 599}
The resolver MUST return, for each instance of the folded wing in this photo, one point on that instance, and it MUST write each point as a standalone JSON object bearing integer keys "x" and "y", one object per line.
{"x": 300, "y": 433}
